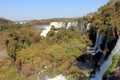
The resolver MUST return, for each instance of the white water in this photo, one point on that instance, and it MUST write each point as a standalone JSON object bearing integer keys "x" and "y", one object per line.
{"x": 88, "y": 27}
{"x": 98, "y": 42}
{"x": 45, "y": 31}
{"x": 59, "y": 77}
{"x": 46, "y": 28}
{"x": 57, "y": 25}
{"x": 66, "y": 25}
{"x": 104, "y": 66}
{"x": 70, "y": 24}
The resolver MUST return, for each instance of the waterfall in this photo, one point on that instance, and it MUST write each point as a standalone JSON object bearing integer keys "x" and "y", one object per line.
{"x": 70, "y": 24}
{"x": 58, "y": 24}
{"x": 98, "y": 42}
{"x": 106, "y": 46}
{"x": 45, "y": 31}
{"x": 106, "y": 64}
{"x": 66, "y": 25}
{"x": 88, "y": 27}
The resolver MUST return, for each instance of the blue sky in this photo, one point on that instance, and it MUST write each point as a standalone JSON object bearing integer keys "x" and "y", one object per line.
{"x": 42, "y": 9}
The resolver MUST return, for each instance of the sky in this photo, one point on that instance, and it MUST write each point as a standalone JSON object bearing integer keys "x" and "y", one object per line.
{"x": 43, "y": 9}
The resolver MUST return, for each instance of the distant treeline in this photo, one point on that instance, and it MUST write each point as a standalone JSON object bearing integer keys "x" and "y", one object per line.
{"x": 47, "y": 21}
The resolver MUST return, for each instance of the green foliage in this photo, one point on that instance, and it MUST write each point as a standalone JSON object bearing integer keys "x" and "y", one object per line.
{"x": 107, "y": 16}
{"x": 67, "y": 35}
{"x": 51, "y": 33}
{"x": 7, "y": 25}
{"x": 58, "y": 52}
{"x": 115, "y": 60}
{"x": 9, "y": 73}
{"x": 4, "y": 24}
{"x": 20, "y": 39}
{"x": 117, "y": 5}
{"x": 75, "y": 74}
{"x": 2, "y": 20}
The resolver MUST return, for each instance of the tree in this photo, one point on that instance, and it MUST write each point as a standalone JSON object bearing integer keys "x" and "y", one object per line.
{"x": 20, "y": 39}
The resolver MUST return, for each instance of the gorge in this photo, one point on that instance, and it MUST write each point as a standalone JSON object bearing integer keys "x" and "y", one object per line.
{"x": 105, "y": 60}
{"x": 102, "y": 42}
{"x": 104, "y": 63}
{"x": 83, "y": 48}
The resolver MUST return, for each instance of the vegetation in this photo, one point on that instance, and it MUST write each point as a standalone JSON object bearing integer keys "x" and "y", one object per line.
{"x": 6, "y": 25}
{"x": 20, "y": 39}
{"x": 107, "y": 16}
{"x": 106, "y": 21}
{"x": 29, "y": 53}
{"x": 115, "y": 60}
{"x": 57, "y": 52}
{"x": 9, "y": 73}
{"x": 47, "y": 21}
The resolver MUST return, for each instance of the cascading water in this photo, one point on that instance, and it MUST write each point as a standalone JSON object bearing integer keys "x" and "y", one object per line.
{"x": 106, "y": 64}
{"x": 45, "y": 31}
{"x": 44, "y": 28}
{"x": 98, "y": 42}
{"x": 55, "y": 24}
{"x": 69, "y": 24}
{"x": 88, "y": 27}
{"x": 58, "y": 25}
